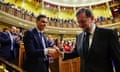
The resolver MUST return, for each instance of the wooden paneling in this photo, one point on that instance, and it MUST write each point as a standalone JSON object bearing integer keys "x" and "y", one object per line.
{"x": 64, "y": 25}
{"x": 76, "y": 65}
{"x": 65, "y": 66}
{"x": 21, "y": 55}
{"x": 69, "y": 25}
{"x": 71, "y": 65}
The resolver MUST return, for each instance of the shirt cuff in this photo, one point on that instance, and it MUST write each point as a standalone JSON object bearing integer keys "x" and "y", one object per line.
{"x": 45, "y": 51}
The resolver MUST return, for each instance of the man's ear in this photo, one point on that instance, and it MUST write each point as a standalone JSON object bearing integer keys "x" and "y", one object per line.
{"x": 92, "y": 18}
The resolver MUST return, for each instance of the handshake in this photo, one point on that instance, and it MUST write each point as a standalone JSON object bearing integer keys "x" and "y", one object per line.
{"x": 54, "y": 52}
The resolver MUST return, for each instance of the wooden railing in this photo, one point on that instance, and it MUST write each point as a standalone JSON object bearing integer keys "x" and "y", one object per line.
{"x": 10, "y": 65}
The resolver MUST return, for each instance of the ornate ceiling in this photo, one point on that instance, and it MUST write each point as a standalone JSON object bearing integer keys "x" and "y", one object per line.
{"x": 75, "y": 3}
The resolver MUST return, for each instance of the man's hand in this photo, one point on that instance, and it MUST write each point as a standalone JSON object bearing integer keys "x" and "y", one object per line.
{"x": 54, "y": 52}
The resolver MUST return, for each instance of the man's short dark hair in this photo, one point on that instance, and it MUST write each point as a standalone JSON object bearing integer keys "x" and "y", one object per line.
{"x": 87, "y": 11}
{"x": 4, "y": 29}
{"x": 40, "y": 16}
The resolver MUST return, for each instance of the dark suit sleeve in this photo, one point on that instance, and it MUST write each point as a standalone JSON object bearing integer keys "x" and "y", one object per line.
{"x": 73, "y": 54}
{"x": 4, "y": 38}
{"x": 115, "y": 50}
{"x": 17, "y": 44}
{"x": 30, "y": 49}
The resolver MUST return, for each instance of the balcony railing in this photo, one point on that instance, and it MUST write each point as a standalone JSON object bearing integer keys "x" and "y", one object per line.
{"x": 23, "y": 15}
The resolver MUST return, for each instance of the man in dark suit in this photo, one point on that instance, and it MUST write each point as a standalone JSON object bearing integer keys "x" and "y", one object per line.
{"x": 36, "y": 48}
{"x": 8, "y": 47}
{"x": 5, "y": 51}
{"x": 97, "y": 47}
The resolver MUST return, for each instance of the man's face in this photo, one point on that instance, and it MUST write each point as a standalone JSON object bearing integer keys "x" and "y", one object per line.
{"x": 49, "y": 37}
{"x": 13, "y": 29}
{"x": 84, "y": 21}
{"x": 41, "y": 24}
{"x": 17, "y": 31}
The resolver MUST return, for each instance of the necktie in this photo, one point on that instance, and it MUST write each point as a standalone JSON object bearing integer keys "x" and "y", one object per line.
{"x": 43, "y": 40}
{"x": 11, "y": 37}
{"x": 86, "y": 44}
{"x": 44, "y": 44}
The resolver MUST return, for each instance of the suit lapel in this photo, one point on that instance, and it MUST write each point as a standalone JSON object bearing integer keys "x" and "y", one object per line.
{"x": 36, "y": 36}
{"x": 80, "y": 44}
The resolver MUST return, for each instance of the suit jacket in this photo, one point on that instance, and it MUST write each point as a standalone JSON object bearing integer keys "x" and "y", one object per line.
{"x": 35, "y": 58}
{"x": 104, "y": 49}
{"x": 5, "y": 48}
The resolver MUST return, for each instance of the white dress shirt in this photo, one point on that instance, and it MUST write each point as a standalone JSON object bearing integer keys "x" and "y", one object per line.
{"x": 43, "y": 42}
{"x": 11, "y": 38}
{"x": 91, "y": 35}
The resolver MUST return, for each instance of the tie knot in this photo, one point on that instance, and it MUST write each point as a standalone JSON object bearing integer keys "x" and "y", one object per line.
{"x": 41, "y": 33}
{"x": 87, "y": 33}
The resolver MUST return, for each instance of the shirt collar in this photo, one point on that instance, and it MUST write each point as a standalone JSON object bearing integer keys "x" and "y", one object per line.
{"x": 93, "y": 29}
{"x": 39, "y": 30}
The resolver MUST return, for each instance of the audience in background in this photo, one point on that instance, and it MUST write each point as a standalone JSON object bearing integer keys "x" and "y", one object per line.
{"x": 50, "y": 41}
{"x": 30, "y": 14}
{"x": 66, "y": 46}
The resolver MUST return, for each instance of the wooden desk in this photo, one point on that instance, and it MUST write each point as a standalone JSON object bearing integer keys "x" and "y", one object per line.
{"x": 71, "y": 65}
